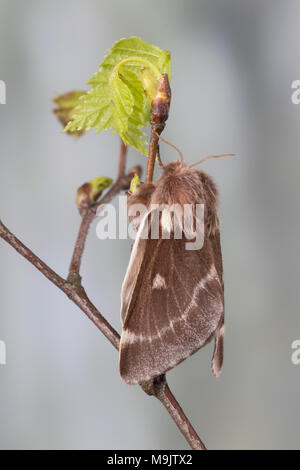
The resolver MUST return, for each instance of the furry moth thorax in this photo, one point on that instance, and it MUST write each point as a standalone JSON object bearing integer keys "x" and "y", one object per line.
{"x": 181, "y": 185}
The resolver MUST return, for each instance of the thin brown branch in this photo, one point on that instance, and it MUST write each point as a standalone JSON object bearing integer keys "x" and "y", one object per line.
{"x": 159, "y": 158}
{"x": 122, "y": 160}
{"x": 156, "y": 130}
{"x": 159, "y": 113}
{"x": 77, "y": 294}
{"x": 174, "y": 409}
{"x": 74, "y": 276}
{"x": 166, "y": 397}
{"x": 31, "y": 257}
{"x": 88, "y": 215}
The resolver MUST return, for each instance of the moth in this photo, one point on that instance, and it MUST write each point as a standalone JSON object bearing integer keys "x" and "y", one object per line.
{"x": 172, "y": 298}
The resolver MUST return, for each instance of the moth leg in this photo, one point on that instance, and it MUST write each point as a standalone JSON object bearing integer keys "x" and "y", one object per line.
{"x": 217, "y": 359}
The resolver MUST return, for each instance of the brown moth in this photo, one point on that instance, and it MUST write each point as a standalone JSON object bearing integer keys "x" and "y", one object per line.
{"x": 172, "y": 298}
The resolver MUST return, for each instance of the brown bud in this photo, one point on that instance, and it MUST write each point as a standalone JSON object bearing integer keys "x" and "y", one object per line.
{"x": 136, "y": 170}
{"x": 88, "y": 193}
{"x": 162, "y": 100}
{"x": 83, "y": 196}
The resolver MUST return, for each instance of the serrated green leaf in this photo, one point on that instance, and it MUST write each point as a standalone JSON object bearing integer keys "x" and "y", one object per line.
{"x": 117, "y": 99}
{"x": 135, "y": 137}
{"x": 121, "y": 101}
{"x": 93, "y": 110}
{"x": 133, "y": 46}
{"x": 135, "y": 87}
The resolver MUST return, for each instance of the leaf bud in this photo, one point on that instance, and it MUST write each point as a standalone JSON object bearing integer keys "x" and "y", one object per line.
{"x": 88, "y": 193}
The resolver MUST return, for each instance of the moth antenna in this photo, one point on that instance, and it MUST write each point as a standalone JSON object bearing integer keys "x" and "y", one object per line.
{"x": 171, "y": 145}
{"x": 158, "y": 158}
{"x": 212, "y": 156}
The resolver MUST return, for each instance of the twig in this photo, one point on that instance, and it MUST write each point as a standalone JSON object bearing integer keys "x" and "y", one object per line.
{"x": 159, "y": 158}
{"x": 159, "y": 112}
{"x": 122, "y": 160}
{"x": 76, "y": 294}
{"x": 88, "y": 215}
{"x": 158, "y": 388}
{"x": 156, "y": 130}
{"x": 74, "y": 276}
{"x": 166, "y": 397}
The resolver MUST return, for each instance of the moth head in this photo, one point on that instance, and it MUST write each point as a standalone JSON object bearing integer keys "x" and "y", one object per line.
{"x": 173, "y": 168}
{"x": 179, "y": 184}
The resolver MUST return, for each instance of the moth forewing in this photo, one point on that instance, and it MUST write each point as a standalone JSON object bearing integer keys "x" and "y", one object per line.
{"x": 217, "y": 360}
{"x": 134, "y": 266}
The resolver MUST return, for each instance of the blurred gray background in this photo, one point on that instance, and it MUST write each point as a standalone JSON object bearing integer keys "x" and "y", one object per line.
{"x": 233, "y": 64}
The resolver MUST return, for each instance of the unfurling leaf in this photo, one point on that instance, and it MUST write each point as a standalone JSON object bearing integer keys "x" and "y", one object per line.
{"x": 150, "y": 84}
{"x": 66, "y": 104}
{"x": 117, "y": 99}
{"x": 135, "y": 184}
{"x": 88, "y": 193}
{"x": 98, "y": 185}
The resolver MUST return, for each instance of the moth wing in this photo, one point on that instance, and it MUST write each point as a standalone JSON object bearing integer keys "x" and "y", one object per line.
{"x": 174, "y": 308}
{"x": 218, "y": 355}
{"x": 136, "y": 259}
{"x": 217, "y": 359}
{"x": 212, "y": 224}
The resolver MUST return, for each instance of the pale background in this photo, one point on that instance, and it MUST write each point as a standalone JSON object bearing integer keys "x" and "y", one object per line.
{"x": 233, "y": 64}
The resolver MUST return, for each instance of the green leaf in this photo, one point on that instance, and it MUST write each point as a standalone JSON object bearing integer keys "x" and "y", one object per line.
{"x": 134, "y": 136}
{"x": 89, "y": 192}
{"x": 93, "y": 110}
{"x": 98, "y": 185}
{"x": 117, "y": 100}
{"x": 165, "y": 64}
{"x": 121, "y": 102}
{"x": 135, "y": 184}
